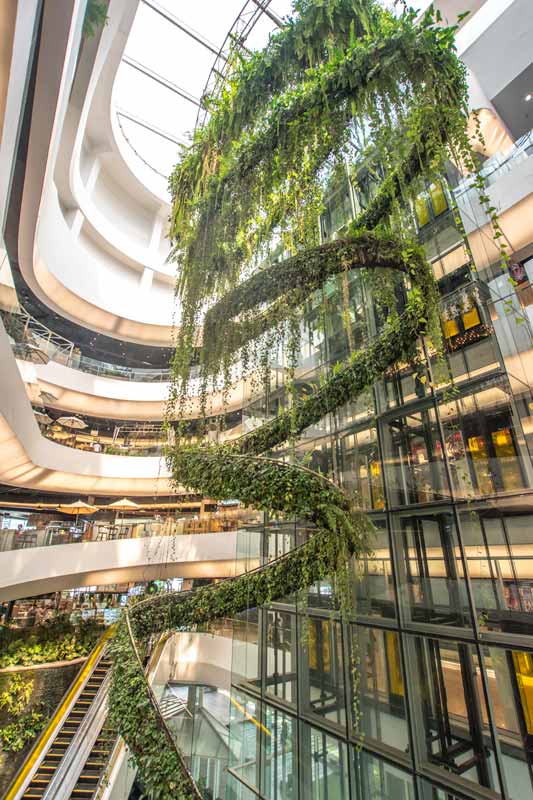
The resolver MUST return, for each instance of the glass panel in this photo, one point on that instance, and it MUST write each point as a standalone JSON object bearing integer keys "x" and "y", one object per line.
{"x": 325, "y": 776}
{"x": 321, "y": 671}
{"x": 432, "y": 586}
{"x": 280, "y": 762}
{"x": 246, "y": 664}
{"x": 360, "y": 468}
{"x": 450, "y": 710}
{"x": 381, "y": 687}
{"x": 244, "y": 736}
{"x": 235, "y": 790}
{"x": 510, "y": 680}
{"x": 481, "y": 443}
{"x": 414, "y": 466}
{"x": 500, "y": 562}
{"x": 281, "y": 655}
{"x": 374, "y": 587}
{"x": 438, "y": 199}
{"x": 379, "y": 780}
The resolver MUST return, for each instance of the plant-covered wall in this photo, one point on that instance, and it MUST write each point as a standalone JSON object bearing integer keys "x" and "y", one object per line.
{"x": 57, "y": 640}
{"x": 343, "y": 79}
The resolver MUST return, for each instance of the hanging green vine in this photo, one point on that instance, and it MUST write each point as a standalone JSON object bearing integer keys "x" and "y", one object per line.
{"x": 246, "y": 196}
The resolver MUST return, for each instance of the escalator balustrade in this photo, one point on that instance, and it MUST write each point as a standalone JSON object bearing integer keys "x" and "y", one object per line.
{"x": 94, "y": 766}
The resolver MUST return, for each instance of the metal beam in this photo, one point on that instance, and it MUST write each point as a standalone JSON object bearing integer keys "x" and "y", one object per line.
{"x": 131, "y": 62}
{"x": 148, "y": 125}
{"x": 270, "y": 14}
{"x": 181, "y": 25}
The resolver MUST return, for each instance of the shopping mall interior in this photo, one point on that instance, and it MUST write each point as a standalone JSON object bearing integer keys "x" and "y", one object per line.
{"x": 266, "y": 406}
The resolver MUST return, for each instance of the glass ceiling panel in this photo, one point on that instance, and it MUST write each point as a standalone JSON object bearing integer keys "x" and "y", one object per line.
{"x": 174, "y": 57}
{"x": 179, "y": 63}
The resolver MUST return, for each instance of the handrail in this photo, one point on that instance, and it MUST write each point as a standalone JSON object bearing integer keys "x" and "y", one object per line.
{"x": 38, "y": 750}
{"x": 155, "y": 706}
{"x": 64, "y": 351}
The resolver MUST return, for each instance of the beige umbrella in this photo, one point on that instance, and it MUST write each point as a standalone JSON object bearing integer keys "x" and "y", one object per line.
{"x": 43, "y": 418}
{"x": 77, "y": 507}
{"x": 123, "y": 505}
{"x": 72, "y": 422}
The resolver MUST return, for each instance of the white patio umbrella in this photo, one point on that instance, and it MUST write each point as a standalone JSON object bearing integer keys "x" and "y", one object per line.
{"x": 43, "y": 418}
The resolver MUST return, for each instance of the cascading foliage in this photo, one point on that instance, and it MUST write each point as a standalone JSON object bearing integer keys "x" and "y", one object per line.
{"x": 343, "y": 82}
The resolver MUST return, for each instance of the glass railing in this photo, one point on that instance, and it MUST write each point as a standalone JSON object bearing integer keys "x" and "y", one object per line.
{"x": 97, "y": 443}
{"x": 60, "y": 531}
{"x": 500, "y": 163}
{"x": 33, "y": 341}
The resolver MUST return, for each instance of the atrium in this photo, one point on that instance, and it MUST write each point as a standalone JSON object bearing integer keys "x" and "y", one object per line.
{"x": 266, "y": 407}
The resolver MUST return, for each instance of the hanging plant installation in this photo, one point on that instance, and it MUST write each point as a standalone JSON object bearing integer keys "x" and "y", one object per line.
{"x": 251, "y": 182}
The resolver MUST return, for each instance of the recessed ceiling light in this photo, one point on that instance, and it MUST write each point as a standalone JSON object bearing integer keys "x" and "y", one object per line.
{"x": 528, "y": 97}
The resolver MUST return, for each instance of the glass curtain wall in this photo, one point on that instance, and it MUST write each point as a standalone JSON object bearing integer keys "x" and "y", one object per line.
{"x": 442, "y": 622}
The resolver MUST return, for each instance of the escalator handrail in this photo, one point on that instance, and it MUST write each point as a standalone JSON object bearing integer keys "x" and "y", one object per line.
{"x": 155, "y": 706}
{"x": 79, "y": 744}
{"x": 40, "y": 746}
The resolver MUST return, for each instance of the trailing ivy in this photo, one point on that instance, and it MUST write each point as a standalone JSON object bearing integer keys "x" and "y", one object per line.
{"x": 247, "y": 194}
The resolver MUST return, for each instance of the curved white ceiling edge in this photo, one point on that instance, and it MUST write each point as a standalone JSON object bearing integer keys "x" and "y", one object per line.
{"x": 29, "y": 460}
{"x": 84, "y": 393}
{"x": 96, "y": 132}
{"x": 41, "y": 247}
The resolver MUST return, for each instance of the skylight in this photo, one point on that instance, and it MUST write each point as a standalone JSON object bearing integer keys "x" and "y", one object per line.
{"x": 170, "y": 52}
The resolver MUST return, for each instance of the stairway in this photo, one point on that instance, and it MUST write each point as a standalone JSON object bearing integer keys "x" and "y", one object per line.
{"x": 95, "y": 763}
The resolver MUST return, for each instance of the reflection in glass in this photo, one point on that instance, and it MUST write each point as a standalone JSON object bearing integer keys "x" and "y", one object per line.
{"x": 379, "y": 780}
{"x": 325, "y": 776}
{"x": 413, "y": 457}
{"x": 432, "y": 585}
{"x": 481, "y": 443}
{"x": 374, "y": 588}
{"x": 360, "y": 468}
{"x": 450, "y": 710}
{"x": 244, "y": 737}
{"x": 499, "y": 551}
{"x": 381, "y": 687}
{"x": 280, "y": 761}
{"x": 322, "y": 673}
{"x": 282, "y": 643}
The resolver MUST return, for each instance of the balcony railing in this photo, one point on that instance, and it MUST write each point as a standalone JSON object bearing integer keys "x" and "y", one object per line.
{"x": 36, "y": 342}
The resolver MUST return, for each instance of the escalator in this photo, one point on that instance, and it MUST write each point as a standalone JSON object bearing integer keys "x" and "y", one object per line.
{"x": 70, "y": 757}
{"x": 95, "y": 765}
{"x": 42, "y": 781}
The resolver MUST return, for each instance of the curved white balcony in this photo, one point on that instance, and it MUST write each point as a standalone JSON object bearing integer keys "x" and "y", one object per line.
{"x": 26, "y": 573}
{"x": 29, "y": 460}
{"x": 91, "y": 237}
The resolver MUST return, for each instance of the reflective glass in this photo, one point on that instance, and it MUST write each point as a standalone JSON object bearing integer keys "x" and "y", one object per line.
{"x": 430, "y": 568}
{"x": 381, "y": 687}
{"x": 280, "y": 760}
{"x": 414, "y": 467}
{"x": 379, "y": 780}
{"x": 325, "y": 776}
{"x": 450, "y": 711}
{"x": 321, "y": 671}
